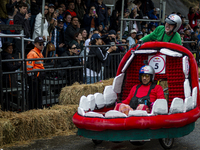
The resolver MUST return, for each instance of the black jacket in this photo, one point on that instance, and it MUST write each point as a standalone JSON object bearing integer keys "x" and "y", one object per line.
{"x": 10, "y": 8}
{"x": 87, "y": 22}
{"x": 35, "y": 7}
{"x": 20, "y": 19}
{"x": 69, "y": 33}
{"x": 101, "y": 55}
{"x": 8, "y": 67}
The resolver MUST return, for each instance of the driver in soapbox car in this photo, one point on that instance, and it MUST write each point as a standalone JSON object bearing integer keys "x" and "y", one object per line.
{"x": 142, "y": 96}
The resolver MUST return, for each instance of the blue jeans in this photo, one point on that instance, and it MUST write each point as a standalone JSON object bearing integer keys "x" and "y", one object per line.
{"x": 92, "y": 79}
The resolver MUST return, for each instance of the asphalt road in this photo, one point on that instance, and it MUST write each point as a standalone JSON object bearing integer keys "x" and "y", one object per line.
{"x": 73, "y": 142}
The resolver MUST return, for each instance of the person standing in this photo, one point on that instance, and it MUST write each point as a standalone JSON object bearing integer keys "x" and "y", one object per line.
{"x": 94, "y": 63}
{"x": 22, "y": 18}
{"x": 72, "y": 28}
{"x": 35, "y": 79}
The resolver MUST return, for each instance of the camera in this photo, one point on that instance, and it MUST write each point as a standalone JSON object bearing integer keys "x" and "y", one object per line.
{"x": 112, "y": 43}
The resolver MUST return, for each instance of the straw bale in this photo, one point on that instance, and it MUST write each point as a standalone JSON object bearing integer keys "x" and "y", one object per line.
{"x": 6, "y": 132}
{"x": 72, "y": 94}
{"x": 199, "y": 71}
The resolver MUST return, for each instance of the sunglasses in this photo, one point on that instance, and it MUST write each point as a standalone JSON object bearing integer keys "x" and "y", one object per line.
{"x": 41, "y": 44}
{"x": 74, "y": 48}
{"x": 46, "y": 9}
{"x": 145, "y": 75}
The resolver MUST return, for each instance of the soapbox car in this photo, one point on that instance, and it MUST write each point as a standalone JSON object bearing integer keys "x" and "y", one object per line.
{"x": 170, "y": 118}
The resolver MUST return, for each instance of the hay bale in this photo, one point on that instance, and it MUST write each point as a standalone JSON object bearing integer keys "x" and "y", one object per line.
{"x": 72, "y": 94}
{"x": 199, "y": 71}
{"x": 6, "y": 132}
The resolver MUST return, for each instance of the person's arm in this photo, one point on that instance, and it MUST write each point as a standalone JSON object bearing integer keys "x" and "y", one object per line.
{"x": 151, "y": 37}
{"x": 37, "y": 26}
{"x": 101, "y": 56}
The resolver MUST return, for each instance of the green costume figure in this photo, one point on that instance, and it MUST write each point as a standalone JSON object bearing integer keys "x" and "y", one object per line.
{"x": 166, "y": 33}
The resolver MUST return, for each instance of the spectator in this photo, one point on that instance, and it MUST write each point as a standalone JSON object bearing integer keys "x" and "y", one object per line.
{"x": 53, "y": 39}
{"x": 139, "y": 35}
{"x": 109, "y": 15}
{"x": 130, "y": 5}
{"x": 35, "y": 9}
{"x": 71, "y": 30}
{"x": 196, "y": 30}
{"x": 127, "y": 25}
{"x": 114, "y": 21}
{"x": 87, "y": 43}
{"x": 124, "y": 41}
{"x": 78, "y": 40}
{"x": 67, "y": 20}
{"x": 136, "y": 14}
{"x": 51, "y": 13}
{"x": 118, "y": 35}
{"x": 100, "y": 29}
{"x": 9, "y": 80}
{"x": 35, "y": 79}
{"x": 94, "y": 63}
{"x": 182, "y": 34}
{"x": 102, "y": 13}
{"x": 145, "y": 30}
{"x": 183, "y": 22}
{"x": 21, "y": 18}
{"x": 118, "y": 5}
{"x": 71, "y": 8}
{"x": 74, "y": 75}
{"x": 193, "y": 15}
{"x": 191, "y": 46}
{"x": 11, "y": 8}
{"x": 110, "y": 66}
{"x": 132, "y": 38}
{"x": 53, "y": 20}
{"x": 62, "y": 5}
{"x": 90, "y": 20}
{"x": 146, "y": 6}
{"x": 38, "y": 25}
{"x": 7, "y": 48}
{"x": 58, "y": 38}
{"x": 27, "y": 2}
{"x": 80, "y": 10}
{"x": 153, "y": 15}
{"x": 84, "y": 34}
{"x": 60, "y": 13}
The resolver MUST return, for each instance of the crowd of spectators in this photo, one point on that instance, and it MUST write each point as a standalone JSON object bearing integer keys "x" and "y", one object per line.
{"x": 70, "y": 24}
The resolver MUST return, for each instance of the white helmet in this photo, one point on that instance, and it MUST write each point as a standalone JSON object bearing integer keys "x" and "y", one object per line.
{"x": 174, "y": 19}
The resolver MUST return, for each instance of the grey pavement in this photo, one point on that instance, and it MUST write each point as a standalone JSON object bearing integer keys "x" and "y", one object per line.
{"x": 74, "y": 142}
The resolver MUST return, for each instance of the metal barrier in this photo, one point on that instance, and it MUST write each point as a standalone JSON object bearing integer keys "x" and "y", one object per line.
{"x": 33, "y": 92}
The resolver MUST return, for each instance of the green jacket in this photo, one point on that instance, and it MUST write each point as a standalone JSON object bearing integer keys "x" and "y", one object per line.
{"x": 157, "y": 34}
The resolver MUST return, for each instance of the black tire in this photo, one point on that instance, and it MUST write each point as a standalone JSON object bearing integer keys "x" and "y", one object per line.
{"x": 166, "y": 143}
{"x": 137, "y": 143}
{"x": 96, "y": 142}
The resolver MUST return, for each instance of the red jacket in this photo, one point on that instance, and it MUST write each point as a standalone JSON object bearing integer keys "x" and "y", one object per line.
{"x": 193, "y": 19}
{"x": 156, "y": 93}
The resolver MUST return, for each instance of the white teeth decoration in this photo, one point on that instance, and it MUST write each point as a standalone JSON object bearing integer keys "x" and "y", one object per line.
{"x": 177, "y": 106}
{"x": 109, "y": 95}
{"x": 137, "y": 113}
{"x": 84, "y": 103}
{"x": 194, "y": 96}
{"x": 187, "y": 89}
{"x": 186, "y": 66}
{"x": 93, "y": 114}
{"x": 128, "y": 62}
{"x": 117, "y": 83}
{"x": 81, "y": 111}
{"x": 99, "y": 100}
{"x": 114, "y": 114}
{"x": 170, "y": 52}
{"x": 160, "y": 107}
{"x": 188, "y": 104}
{"x": 91, "y": 100}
